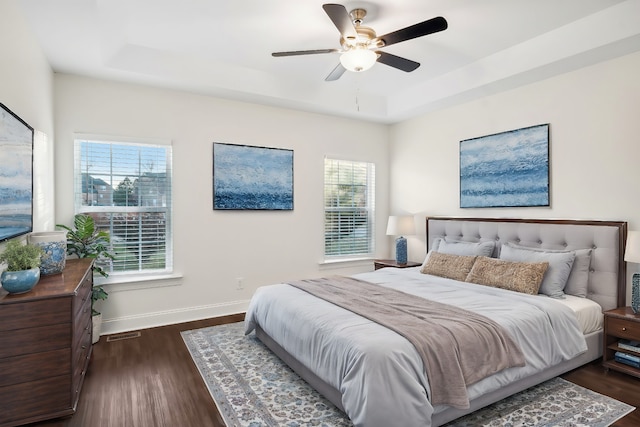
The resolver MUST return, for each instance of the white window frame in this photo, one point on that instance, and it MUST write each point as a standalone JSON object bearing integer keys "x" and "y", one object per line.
{"x": 140, "y": 274}
{"x": 369, "y": 209}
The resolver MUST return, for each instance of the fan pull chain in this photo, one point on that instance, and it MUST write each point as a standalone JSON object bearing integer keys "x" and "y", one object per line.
{"x": 357, "y": 100}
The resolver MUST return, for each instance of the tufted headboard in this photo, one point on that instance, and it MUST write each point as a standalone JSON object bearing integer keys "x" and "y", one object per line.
{"x": 607, "y": 274}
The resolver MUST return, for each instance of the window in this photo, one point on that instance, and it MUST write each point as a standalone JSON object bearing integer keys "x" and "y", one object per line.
{"x": 349, "y": 208}
{"x": 126, "y": 188}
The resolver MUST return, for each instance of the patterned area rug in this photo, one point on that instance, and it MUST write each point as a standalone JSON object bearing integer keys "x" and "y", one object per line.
{"x": 253, "y": 388}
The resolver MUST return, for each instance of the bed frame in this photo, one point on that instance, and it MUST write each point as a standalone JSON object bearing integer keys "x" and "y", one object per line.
{"x": 607, "y": 286}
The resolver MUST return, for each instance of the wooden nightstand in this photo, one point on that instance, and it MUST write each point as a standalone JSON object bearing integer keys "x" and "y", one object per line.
{"x": 620, "y": 323}
{"x": 381, "y": 263}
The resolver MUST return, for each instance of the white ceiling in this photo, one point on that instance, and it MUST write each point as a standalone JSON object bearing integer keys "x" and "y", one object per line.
{"x": 223, "y": 48}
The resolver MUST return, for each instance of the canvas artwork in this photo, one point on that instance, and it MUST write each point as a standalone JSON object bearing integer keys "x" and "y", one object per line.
{"x": 252, "y": 178}
{"x": 508, "y": 169}
{"x": 16, "y": 185}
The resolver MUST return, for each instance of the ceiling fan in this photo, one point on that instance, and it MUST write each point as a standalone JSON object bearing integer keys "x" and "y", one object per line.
{"x": 360, "y": 44}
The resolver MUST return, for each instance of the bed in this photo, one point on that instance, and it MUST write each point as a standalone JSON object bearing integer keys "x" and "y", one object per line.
{"x": 377, "y": 376}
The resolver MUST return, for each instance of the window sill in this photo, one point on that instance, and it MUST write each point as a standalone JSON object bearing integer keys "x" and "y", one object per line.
{"x": 131, "y": 283}
{"x": 345, "y": 263}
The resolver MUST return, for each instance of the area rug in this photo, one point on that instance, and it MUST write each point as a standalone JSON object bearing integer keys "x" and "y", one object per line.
{"x": 253, "y": 388}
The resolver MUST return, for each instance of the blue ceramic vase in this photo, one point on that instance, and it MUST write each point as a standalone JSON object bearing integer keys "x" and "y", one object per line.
{"x": 54, "y": 250}
{"x": 19, "y": 282}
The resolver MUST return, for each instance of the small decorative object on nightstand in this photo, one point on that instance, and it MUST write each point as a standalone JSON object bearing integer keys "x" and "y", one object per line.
{"x": 382, "y": 263}
{"x": 621, "y": 337}
{"x": 401, "y": 226}
{"x": 632, "y": 254}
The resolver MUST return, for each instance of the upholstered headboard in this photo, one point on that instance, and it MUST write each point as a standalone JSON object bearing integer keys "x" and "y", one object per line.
{"x": 607, "y": 274}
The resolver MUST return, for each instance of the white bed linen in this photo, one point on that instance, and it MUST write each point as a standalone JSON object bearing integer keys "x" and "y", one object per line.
{"x": 588, "y": 312}
{"x": 378, "y": 372}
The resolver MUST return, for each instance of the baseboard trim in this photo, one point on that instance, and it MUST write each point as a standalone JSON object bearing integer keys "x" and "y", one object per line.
{"x": 170, "y": 317}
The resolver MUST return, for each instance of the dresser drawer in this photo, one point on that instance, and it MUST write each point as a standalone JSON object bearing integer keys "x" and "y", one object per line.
{"x": 81, "y": 354}
{"x": 81, "y": 331}
{"x": 25, "y": 315}
{"x": 80, "y": 366}
{"x": 83, "y": 293}
{"x": 34, "y": 340}
{"x": 82, "y": 324}
{"x": 622, "y": 328}
{"x": 35, "y": 398}
{"x": 83, "y": 312}
{"x": 22, "y": 369}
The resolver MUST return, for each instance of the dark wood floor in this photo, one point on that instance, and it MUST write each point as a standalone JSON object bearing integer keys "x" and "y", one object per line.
{"x": 151, "y": 381}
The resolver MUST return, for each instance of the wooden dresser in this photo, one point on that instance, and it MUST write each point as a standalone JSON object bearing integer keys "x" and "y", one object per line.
{"x": 45, "y": 345}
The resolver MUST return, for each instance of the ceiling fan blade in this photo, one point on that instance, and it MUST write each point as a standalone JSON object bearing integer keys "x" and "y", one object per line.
{"x": 336, "y": 73}
{"x": 304, "y": 52}
{"x": 397, "y": 61}
{"x": 424, "y": 28}
{"x": 341, "y": 19}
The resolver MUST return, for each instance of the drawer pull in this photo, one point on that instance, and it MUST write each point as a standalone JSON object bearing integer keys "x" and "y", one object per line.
{"x": 624, "y": 329}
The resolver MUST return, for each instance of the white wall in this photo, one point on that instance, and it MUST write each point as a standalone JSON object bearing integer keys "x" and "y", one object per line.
{"x": 213, "y": 248}
{"x": 26, "y": 88}
{"x": 594, "y": 116}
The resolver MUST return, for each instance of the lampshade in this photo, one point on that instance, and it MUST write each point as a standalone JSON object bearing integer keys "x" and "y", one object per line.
{"x": 401, "y": 226}
{"x": 632, "y": 251}
{"x": 358, "y": 59}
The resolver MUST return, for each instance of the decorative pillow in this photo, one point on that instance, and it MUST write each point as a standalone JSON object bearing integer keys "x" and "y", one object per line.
{"x": 434, "y": 248}
{"x": 522, "y": 277}
{"x": 578, "y": 281}
{"x": 557, "y": 274}
{"x": 455, "y": 267}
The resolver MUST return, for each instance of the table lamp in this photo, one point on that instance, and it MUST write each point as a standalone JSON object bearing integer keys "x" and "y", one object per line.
{"x": 632, "y": 254}
{"x": 401, "y": 226}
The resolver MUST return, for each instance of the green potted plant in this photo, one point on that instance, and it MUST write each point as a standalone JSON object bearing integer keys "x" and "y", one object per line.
{"x": 84, "y": 240}
{"x": 23, "y": 267}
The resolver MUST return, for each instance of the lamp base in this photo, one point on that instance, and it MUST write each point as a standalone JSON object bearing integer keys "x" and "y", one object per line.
{"x": 401, "y": 250}
{"x": 635, "y": 293}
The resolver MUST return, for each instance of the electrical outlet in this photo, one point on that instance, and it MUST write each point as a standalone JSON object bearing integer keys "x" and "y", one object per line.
{"x": 239, "y": 283}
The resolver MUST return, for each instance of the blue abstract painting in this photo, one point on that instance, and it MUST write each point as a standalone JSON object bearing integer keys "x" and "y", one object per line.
{"x": 255, "y": 178}
{"x": 16, "y": 167}
{"x": 509, "y": 169}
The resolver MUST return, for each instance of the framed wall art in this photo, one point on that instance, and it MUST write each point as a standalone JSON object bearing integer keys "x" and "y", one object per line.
{"x": 508, "y": 169}
{"x": 252, "y": 178}
{"x": 16, "y": 175}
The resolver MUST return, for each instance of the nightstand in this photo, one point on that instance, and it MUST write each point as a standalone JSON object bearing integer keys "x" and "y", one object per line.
{"x": 381, "y": 263}
{"x": 620, "y": 323}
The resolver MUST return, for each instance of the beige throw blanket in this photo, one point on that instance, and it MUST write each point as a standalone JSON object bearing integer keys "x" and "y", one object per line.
{"x": 457, "y": 347}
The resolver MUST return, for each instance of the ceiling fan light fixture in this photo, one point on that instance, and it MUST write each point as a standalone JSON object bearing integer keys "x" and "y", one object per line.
{"x": 358, "y": 59}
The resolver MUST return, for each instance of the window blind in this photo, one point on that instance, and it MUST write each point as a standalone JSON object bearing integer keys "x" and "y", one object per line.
{"x": 349, "y": 208}
{"x": 126, "y": 188}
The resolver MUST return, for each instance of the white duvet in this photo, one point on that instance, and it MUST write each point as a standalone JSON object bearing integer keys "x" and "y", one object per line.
{"x": 379, "y": 373}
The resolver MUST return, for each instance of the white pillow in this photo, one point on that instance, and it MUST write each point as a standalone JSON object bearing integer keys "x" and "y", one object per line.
{"x": 556, "y": 276}
{"x": 578, "y": 281}
{"x": 456, "y": 247}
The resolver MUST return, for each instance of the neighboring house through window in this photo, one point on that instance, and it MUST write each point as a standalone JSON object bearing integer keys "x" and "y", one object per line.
{"x": 349, "y": 209}
{"x": 126, "y": 187}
